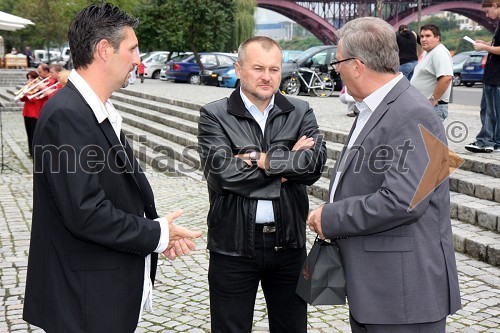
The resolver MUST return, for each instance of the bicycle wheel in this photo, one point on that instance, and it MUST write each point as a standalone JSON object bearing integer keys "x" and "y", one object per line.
{"x": 325, "y": 85}
{"x": 290, "y": 86}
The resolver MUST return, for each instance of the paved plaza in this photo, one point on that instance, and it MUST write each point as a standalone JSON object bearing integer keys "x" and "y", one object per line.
{"x": 181, "y": 290}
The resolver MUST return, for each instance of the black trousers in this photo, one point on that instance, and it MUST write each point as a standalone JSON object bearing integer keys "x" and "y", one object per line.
{"x": 435, "y": 327}
{"x": 233, "y": 283}
{"x": 30, "y": 124}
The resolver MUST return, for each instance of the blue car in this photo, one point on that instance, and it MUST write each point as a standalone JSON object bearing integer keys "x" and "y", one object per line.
{"x": 473, "y": 68}
{"x": 189, "y": 71}
{"x": 228, "y": 78}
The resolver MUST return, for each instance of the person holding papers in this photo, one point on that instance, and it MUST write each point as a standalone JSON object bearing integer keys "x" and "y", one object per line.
{"x": 488, "y": 138}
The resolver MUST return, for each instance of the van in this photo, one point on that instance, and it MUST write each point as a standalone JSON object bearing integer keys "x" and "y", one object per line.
{"x": 42, "y": 56}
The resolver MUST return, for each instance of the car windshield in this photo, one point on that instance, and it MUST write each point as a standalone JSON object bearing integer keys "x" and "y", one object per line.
{"x": 306, "y": 54}
{"x": 475, "y": 59}
{"x": 458, "y": 58}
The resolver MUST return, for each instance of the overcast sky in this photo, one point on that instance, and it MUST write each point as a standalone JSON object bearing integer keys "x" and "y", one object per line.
{"x": 267, "y": 16}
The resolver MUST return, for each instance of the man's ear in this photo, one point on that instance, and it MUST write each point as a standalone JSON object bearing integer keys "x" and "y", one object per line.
{"x": 103, "y": 49}
{"x": 237, "y": 69}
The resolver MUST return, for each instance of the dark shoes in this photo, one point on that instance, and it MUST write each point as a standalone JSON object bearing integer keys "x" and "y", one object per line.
{"x": 473, "y": 147}
{"x": 352, "y": 114}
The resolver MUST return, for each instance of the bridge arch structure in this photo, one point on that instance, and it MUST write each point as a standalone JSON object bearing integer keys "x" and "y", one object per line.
{"x": 323, "y": 18}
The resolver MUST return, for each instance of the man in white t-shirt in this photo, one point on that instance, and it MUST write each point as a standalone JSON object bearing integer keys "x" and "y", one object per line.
{"x": 434, "y": 73}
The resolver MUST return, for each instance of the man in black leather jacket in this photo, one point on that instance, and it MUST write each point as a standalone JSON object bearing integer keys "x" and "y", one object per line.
{"x": 259, "y": 150}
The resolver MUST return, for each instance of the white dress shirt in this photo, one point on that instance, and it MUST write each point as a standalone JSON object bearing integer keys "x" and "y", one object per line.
{"x": 265, "y": 210}
{"x": 366, "y": 108}
{"x": 108, "y": 111}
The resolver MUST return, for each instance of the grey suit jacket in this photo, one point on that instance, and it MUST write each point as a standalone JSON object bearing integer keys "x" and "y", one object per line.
{"x": 400, "y": 262}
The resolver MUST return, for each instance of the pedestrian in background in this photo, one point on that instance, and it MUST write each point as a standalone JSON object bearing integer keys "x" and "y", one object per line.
{"x": 31, "y": 112}
{"x": 346, "y": 98}
{"x": 407, "y": 43}
{"x": 399, "y": 261}
{"x": 488, "y": 138}
{"x": 259, "y": 149}
{"x": 140, "y": 70}
{"x": 433, "y": 75}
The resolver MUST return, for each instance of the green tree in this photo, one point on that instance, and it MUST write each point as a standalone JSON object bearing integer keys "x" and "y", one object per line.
{"x": 243, "y": 23}
{"x": 195, "y": 25}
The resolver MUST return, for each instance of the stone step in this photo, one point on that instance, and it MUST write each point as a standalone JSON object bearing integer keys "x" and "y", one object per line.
{"x": 187, "y": 112}
{"x": 183, "y": 125}
{"x": 153, "y": 129}
{"x": 161, "y": 147}
{"x": 467, "y": 209}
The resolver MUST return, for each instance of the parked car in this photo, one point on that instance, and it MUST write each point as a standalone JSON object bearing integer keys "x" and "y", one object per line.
{"x": 189, "y": 71}
{"x": 458, "y": 62}
{"x": 473, "y": 68}
{"x": 289, "y": 55}
{"x": 316, "y": 57}
{"x": 179, "y": 57}
{"x": 211, "y": 76}
{"x": 229, "y": 79}
{"x": 154, "y": 62}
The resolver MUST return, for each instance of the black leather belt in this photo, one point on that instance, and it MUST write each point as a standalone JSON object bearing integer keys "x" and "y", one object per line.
{"x": 442, "y": 102}
{"x": 265, "y": 228}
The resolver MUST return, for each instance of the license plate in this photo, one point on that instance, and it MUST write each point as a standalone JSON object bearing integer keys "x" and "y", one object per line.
{"x": 219, "y": 78}
{"x": 469, "y": 68}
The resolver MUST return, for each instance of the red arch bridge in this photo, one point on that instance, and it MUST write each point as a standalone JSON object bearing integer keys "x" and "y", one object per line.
{"x": 322, "y": 18}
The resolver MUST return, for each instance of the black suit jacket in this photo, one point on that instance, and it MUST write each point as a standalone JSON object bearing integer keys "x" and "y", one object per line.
{"x": 89, "y": 237}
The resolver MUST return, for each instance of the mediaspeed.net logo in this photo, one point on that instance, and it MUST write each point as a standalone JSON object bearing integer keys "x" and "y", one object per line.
{"x": 438, "y": 165}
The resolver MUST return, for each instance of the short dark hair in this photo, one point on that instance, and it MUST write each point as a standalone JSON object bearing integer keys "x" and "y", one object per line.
{"x": 265, "y": 42}
{"x": 432, "y": 27}
{"x": 93, "y": 24}
{"x": 403, "y": 27}
{"x": 31, "y": 75}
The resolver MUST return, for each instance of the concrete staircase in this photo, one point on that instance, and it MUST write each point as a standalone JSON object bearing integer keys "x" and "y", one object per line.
{"x": 163, "y": 133}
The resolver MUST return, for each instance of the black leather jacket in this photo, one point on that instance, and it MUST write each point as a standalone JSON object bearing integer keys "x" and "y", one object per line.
{"x": 225, "y": 129}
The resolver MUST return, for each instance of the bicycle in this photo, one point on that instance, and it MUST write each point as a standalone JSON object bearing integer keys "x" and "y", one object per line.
{"x": 320, "y": 82}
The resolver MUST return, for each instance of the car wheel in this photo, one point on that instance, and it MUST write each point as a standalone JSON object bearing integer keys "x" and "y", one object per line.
{"x": 456, "y": 79}
{"x": 468, "y": 84}
{"x": 290, "y": 86}
{"x": 194, "y": 79}
{"x": 156, "y": 75}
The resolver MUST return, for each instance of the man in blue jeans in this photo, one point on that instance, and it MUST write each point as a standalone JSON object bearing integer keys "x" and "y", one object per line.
{"x": 488, "y": 139}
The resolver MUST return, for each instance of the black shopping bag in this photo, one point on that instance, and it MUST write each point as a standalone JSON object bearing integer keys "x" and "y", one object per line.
{"x": 322, "y": 278}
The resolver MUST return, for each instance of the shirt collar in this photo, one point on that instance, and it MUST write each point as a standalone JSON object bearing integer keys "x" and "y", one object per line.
{"x": 372, "y": 101}
{"x": 100, "y": 110}
{"x": 252, "y": 108}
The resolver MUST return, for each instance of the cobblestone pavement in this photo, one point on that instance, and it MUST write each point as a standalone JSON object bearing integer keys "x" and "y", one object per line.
{"x": 181, "y": 290}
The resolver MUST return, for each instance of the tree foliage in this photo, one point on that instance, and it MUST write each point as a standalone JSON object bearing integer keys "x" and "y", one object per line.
{"x": 180, "y": 25}
{"x": 243, "y": 23}
{"x": 52, "y": 19}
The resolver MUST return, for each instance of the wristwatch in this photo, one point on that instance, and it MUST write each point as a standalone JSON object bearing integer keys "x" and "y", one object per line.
{"x": 432, "y": 99}
{"x": 254, "y": 157}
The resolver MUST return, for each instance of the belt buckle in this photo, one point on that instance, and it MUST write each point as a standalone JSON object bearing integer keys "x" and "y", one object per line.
{"x": 267, "y": 229}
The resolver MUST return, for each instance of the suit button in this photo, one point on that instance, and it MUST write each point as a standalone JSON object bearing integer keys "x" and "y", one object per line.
{"x": 141, "y": 213}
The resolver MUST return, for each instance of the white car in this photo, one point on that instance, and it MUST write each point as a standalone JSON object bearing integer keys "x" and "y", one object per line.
{"x": 153, "y": 63}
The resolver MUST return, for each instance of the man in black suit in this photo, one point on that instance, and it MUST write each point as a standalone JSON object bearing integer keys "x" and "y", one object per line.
{"x": 94, "y": 240}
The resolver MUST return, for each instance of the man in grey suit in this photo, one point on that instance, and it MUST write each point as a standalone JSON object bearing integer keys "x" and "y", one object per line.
{"x": 389, "y": 207}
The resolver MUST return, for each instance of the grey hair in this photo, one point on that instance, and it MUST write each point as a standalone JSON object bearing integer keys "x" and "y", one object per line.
{"x": 373, "y": 41}
{"x": 265, "y": 42}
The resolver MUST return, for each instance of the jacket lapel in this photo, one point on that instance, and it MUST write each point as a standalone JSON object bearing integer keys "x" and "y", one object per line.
{"x": 348, "y": 154}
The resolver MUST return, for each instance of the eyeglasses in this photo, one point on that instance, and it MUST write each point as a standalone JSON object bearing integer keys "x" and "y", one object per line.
{"x": 335, "y": 63}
